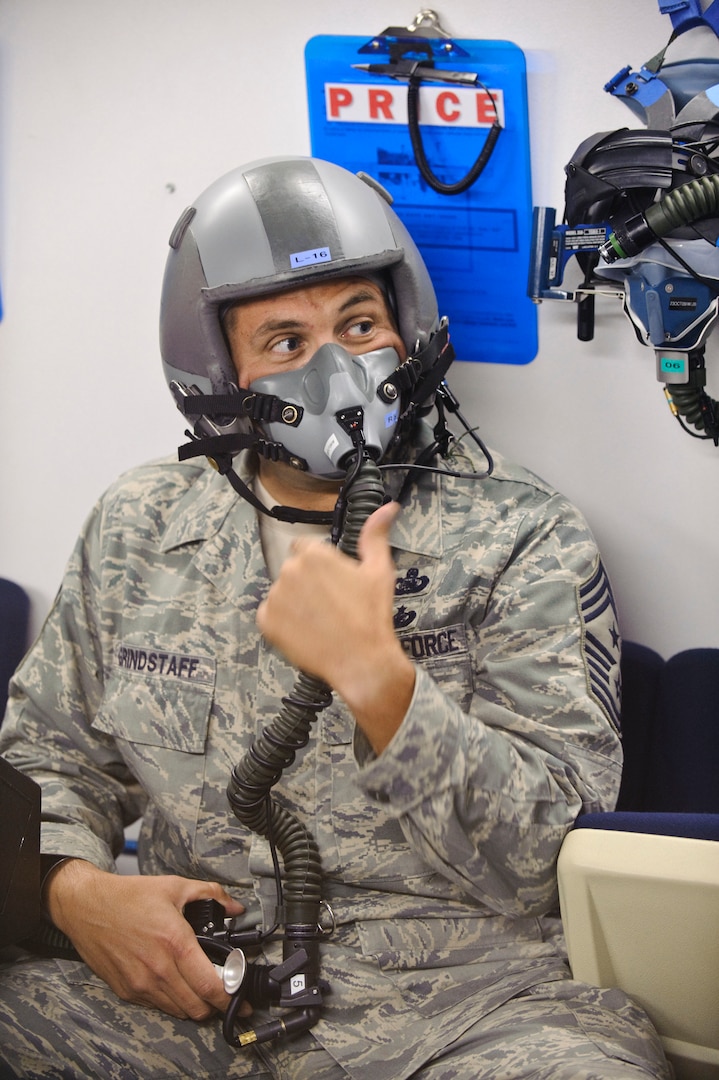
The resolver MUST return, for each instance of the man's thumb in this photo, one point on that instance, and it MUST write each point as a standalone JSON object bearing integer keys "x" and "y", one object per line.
{"x": 374, "y": 538}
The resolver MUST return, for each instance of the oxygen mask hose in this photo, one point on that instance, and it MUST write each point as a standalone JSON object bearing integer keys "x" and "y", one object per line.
{"x": 251, "y": 781}
{"x": 690, "y": 403}
{"x": 684, "y": 205}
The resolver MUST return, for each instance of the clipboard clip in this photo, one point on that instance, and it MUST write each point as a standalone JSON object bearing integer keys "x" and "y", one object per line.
{"x": 425, "y": 37}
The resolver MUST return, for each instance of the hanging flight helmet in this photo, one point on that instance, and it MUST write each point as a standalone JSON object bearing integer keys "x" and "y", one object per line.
{"x": 671, "y": 278}
{"x": 642, "y": 216}
{"x": 268, "y": 227}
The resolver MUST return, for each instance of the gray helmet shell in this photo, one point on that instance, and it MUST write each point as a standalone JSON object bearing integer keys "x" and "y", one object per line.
{"x": 274, "y": 225}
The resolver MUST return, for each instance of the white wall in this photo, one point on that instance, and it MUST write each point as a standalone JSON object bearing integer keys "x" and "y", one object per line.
{"x": 114, "y": 116}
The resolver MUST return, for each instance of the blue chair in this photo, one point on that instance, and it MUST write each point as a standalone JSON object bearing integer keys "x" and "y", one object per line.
{"x": 14, "y": 628}
{"x": 639, "y": 887}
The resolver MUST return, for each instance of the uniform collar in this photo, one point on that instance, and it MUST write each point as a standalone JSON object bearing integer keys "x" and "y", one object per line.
{"x": 201, "y": 512}
{"x": 211, "y": 508}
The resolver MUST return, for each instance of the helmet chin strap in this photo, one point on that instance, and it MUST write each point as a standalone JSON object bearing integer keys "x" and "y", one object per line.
{"x": 219, "y": 451}
{"x": 208, "y": 440}
{"x": 292, "y": 514}
{"x": 335, "y": 517}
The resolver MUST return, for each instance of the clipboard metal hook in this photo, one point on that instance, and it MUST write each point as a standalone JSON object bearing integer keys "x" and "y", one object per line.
{"x": 425, "y": 36}
{"x": 428, "y": 21}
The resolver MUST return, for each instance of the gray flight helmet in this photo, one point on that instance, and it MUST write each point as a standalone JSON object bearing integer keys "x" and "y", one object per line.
{"x": 274, "y": 225}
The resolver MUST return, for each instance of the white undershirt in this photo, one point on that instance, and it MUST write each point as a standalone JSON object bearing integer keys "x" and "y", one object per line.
{"x": 277, "y": 536}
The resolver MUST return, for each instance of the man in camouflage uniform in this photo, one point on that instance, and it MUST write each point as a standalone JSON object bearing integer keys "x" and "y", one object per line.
{"x": 473, "y": 653}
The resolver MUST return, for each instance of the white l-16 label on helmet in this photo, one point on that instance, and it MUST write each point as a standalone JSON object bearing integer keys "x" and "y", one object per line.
{"x": 306, "y": 258}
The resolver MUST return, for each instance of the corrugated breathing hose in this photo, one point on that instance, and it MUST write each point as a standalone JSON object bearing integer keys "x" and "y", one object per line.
{"x": 251, "y": 781}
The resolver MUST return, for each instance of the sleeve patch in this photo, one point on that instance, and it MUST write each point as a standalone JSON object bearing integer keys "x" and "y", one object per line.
{"x": 601, "y": 642}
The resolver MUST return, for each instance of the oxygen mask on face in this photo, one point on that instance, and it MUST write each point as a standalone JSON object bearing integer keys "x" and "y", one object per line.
{"x": 328, "y": 403}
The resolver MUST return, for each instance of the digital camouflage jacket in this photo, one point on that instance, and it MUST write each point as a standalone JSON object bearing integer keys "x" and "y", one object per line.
{"x": 150, "y": 679}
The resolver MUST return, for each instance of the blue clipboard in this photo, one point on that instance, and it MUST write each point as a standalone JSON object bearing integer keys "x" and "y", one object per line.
{"x": 476, "y": 244}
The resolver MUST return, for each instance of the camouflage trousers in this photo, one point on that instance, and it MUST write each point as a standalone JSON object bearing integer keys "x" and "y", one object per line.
{"x": 58, "y": 1020}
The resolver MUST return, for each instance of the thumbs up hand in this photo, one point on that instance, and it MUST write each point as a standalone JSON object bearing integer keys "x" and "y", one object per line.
{"x": 331, "y": 616}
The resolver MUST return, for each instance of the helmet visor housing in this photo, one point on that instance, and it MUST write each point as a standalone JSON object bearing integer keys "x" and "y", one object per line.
{"x": 271, "y": 226}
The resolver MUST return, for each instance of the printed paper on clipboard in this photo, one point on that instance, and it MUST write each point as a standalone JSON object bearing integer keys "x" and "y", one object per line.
{"x": 476, "y": 244}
